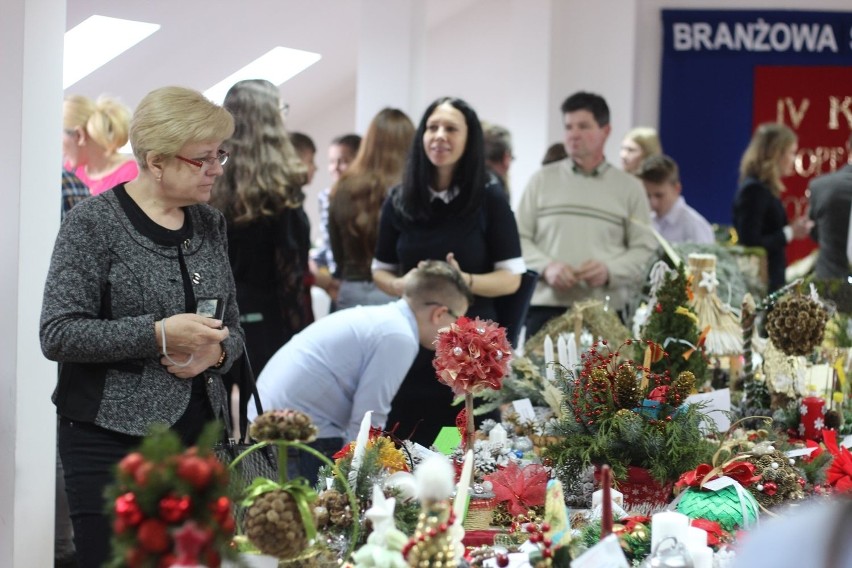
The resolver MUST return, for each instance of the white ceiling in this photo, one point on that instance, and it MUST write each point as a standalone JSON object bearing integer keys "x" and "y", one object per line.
{"x": 201, "y": 42}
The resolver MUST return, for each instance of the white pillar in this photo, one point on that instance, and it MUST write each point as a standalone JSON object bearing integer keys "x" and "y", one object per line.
{"x": 31, "y": 36}
{"x": 390, "y": 59}
{"x": 531, "y": 111}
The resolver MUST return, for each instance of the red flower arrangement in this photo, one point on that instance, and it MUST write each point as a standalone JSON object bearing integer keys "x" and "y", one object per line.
{"x": 521, "y": 488}
{"x": 161, "y": 492}
{"x": 472, "y": 355}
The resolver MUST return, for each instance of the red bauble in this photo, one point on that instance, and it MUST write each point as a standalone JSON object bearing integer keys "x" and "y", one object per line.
{"x": 502, "y": 559}
{"x": 134, "y": 557}
{"x": 195, "y": 470}
{"x": 127, "y": 509}
{"x": 131, "y": 463}
{"x": 658, "y": 308}
{"x": 140, "y": 475}
{"x": 153, "y": 536}
{"x": 174, "y": 509}
{"x": 770, "y": 488}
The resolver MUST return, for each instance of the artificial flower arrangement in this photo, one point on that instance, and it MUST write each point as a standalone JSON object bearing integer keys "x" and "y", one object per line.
{"x": 625, "y": 415}
{"x": 471, "y": 355}
{"x": 170, "y": 505}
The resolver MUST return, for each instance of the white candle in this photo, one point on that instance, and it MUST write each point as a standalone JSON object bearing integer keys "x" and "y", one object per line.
{"x": 562, "y": 350}
{"x": 702, "y": 556}
{"x": 498, "y": 435}
{"x": 695, "y": 537}
{"x": 573, "y": 358}
{"x": 666, "y": 524}
{"x": 548, "y": 358}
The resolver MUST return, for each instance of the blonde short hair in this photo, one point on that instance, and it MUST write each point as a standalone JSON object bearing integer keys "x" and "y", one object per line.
{"x": 106, "y": 121}
{"x": 647, "y": 139}
{"x": 171, "y": 117}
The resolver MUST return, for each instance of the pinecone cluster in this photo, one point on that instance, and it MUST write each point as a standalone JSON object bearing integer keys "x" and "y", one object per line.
{"x": 681, "y": 388}
{"x": 780, "y": 481}
{"x": 289, "y": 425}
{"x": 332, "y": 508}
{"x": 274, "y": 525}
{"x": 796, "y": 324}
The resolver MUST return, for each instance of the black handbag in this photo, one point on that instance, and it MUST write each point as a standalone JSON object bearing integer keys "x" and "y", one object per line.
{"x": 259, "y": 463}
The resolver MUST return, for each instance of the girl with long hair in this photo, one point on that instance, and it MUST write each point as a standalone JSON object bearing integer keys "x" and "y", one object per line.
{"x": 356, "y": 200}
{"x": 759, "y": 215}
{"x": 268, "y": 230}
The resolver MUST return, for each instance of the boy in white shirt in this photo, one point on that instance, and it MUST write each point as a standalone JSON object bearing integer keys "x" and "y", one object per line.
{"x": 676, "y": 221}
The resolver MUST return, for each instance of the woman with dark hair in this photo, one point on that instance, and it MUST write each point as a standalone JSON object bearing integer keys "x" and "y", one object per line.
{"x": 446, "y": 208}
{"x": 759, "y": 215}
{"x": 268, "y": 231}
{"x": 355, "y": 202}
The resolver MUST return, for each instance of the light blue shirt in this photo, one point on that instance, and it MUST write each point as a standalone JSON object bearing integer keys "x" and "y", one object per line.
{"x": 683, "y": 224}
{"x": 341, "y": 366}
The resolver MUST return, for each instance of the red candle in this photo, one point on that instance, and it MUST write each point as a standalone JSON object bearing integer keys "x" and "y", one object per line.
{"x": 606, "y": 501}
{"x": 812, "y": 419}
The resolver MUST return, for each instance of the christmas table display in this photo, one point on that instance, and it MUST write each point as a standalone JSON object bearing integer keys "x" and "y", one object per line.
{"x": 673, "y": 324}
{"x": 779, "y": 482}
{"x": 796, "y": 323}
{"x": 593, "y": 316}
{"x": 724, "y": 335}
{"x": 632, "y": 419}
{"x": 279, "y": 514}
{"x": 471, "y": 356}
{"x": 165, "y": 497}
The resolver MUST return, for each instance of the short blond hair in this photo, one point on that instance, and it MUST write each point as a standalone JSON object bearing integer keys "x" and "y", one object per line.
{"x": 647, "y": 139}
{"x": 171, "y": 117}
{"x": 106, "y": 121}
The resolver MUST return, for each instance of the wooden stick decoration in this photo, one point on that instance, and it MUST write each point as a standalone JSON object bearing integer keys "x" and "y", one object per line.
{"x": 749, "y": 314}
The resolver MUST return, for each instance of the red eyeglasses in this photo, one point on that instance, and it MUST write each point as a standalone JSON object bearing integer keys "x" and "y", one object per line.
{"x": 221, "y": 158}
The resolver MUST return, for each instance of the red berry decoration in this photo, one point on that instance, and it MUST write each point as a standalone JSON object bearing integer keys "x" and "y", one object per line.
{"x": 131, "y": 463}
{"x": 174, "y": 509}
{"x": 153, "y": 536}
{"x": 770, "y": 488}
{"x": 195, "y": 470}
{"x": 502, "y": 559}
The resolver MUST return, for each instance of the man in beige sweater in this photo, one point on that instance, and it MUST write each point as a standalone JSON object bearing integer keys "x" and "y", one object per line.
{"x": 584, "y": 225}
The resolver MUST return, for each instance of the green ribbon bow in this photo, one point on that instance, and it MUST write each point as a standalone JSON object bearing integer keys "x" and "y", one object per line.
{"x": 299, "y": 490}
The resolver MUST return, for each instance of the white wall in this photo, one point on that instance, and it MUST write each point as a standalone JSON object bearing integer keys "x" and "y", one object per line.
{"x": 30, "y": 109}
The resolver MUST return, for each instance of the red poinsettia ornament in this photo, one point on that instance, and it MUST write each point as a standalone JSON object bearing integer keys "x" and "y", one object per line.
{"x": 472, "y": 355}
{"x": 521, "y": 488}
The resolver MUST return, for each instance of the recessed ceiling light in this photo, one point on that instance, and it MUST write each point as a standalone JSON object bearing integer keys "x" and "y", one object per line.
{"x": 97, "y": 40}
{"x": 276, "y": 66}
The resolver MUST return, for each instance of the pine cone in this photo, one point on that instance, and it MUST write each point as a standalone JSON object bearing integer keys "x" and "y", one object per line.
{"x": 334, "y": 507}
{"x": 778, "y": 484}
{"x": 681, "y": 388}
{"x": 627, "y": 393}
{"x": 274, "y": 525}
{"x": 289, "y": 425}
{"x": 796, "y": 324}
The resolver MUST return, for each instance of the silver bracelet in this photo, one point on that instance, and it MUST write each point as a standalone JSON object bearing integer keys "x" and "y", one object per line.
{"x": 166, "y": 353}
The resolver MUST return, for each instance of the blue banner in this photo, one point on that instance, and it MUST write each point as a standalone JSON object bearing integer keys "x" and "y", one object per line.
{"x": 706, "y": 99}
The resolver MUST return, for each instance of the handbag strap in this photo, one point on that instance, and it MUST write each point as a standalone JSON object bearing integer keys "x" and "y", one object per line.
{"x": 250, "y": 383}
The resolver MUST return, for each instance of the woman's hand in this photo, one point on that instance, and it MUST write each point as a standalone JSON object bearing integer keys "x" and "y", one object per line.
{"x": 801, "y": 227}
{"x": 202, "y": 359}
{"x": 192, "y": 343}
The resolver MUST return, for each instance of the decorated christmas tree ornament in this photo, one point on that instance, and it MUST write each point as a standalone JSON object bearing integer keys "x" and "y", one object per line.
{"x": 718, "y": 494}
{"x": 796, "y": 324}
{"x": 779, "y": 479}
{"x": 724, "y": 335}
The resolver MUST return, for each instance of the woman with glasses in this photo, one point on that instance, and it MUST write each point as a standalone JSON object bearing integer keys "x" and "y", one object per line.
{"x": 93, "y": 132}
{"x": 447, "y": 208}
{"x": 130, "y": 270}
{"x": 268, "y": 230}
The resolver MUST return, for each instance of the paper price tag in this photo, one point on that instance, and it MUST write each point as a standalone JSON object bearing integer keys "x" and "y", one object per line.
{"x": 800, "y": 452}
{"x": 524, "y": 409}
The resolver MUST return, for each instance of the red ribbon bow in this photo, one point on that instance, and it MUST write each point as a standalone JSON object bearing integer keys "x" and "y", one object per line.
{"x": 839, "y": 473}
{"x": 740, "y": 471}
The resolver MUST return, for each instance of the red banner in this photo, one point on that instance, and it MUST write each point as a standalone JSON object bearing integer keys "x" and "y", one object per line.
{"x": 816, "y": 102}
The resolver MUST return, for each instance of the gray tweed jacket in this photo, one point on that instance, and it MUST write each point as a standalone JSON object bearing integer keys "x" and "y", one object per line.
{"x": 106, "y": 287}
